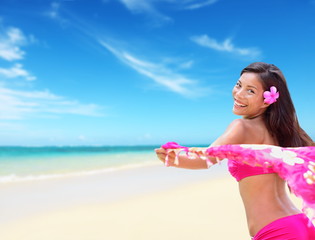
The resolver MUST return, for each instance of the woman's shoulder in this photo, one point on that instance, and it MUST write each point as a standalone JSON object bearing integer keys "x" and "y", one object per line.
{"x": 247, "y": 124}
{"x": 234, "y": 134}
{"x": 244, "y": 131}
{"x": 238, "y": 125}
{"x": 253, "y": 131}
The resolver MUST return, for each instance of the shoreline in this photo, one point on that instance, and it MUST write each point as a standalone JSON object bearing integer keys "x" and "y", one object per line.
{"x": 14, "y": 179}
{"x": 49, "y": 166}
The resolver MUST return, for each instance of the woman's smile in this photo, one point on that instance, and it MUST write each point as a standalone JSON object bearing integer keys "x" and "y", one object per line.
{"x": 237, "y": 103}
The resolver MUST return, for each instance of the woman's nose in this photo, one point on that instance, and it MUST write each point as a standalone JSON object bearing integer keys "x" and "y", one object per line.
{"x": 239, "y": 93}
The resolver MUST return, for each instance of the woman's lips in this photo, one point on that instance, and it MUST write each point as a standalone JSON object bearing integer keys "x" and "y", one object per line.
{"x": 239, "y": 104}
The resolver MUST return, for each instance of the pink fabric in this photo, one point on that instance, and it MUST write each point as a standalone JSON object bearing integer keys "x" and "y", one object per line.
{"x": 240, "y": 170}
{"x": 295, "y": 165}
{"x": 294, "y": 227}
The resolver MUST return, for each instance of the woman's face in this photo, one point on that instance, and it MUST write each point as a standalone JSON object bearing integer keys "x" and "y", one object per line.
{"x": 248, "y": 96}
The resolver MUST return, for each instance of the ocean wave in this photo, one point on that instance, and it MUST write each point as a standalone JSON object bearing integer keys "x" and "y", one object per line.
{"x": 13, "y": 178}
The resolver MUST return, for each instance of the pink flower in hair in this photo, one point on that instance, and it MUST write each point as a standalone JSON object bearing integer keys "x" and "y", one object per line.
{"x": 272, "y": 96}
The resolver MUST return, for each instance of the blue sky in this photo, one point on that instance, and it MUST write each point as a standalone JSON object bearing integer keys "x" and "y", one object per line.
{"x": 130, "y": 72}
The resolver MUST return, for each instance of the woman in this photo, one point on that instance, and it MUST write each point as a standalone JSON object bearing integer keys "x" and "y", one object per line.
{"x": 267, "y": 118}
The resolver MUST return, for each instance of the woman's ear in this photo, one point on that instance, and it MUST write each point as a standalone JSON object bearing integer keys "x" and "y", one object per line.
{"x": 265, "y": 105}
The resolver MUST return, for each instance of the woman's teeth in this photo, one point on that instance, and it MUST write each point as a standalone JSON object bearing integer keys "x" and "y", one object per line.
{"x": 239, "y": 105}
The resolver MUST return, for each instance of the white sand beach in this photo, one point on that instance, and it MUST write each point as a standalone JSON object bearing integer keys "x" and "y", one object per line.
{"x": 151, "y": 202}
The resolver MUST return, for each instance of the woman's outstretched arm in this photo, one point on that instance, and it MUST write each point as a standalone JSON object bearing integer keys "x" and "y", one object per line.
{"x": 234, "y": 134}
{"x": 183, "y": 160}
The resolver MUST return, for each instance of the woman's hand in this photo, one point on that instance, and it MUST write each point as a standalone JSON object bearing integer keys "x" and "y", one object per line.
{"x": 162, "y": 153}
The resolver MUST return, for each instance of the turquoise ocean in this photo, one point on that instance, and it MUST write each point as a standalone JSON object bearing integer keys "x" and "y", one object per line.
{"x": 38, "y": 163}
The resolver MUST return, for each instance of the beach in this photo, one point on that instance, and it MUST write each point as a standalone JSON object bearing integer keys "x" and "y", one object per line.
{"x": 147, "y": 201}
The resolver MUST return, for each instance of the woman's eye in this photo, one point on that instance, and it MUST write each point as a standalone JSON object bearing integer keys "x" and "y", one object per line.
{"x": 238, "y": 84}
{"x": 251, "y": 91}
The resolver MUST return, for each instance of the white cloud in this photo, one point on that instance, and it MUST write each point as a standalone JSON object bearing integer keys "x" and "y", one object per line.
{"x": 25, "y": 104}
{"x": 21, "y": 104}
{"x": 153, "y": 7}
{"x": 54, "y": 13}
{"x": 54, "y": 10}
{"x": 139, "y": 5}
{"x": 225, "y": 46}
{"x": 159, "y": 73}
{"x": 16, "y": 71}
{"x": 10, "y": 42}
{"x": 147, "y": 7}
{"x": 191, "y": 4}
{"x": 186, "y": 65}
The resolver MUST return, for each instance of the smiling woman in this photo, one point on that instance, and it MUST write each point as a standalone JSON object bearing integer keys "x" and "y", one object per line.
{"x": 280, "y": 117}
{"x": 269, "y": 119}
{"x": 247, "y": 96}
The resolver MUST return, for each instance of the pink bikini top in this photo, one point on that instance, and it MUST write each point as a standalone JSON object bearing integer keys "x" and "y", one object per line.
{"x": 240, "y": 170}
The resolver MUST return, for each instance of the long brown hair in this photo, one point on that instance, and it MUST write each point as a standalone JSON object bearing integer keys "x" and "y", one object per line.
{"x": 280, "y": 117}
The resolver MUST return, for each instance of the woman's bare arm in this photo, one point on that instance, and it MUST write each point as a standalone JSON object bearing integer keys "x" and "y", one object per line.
{"x": 234, "y": 134}
{"x": 183, "y": 160}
